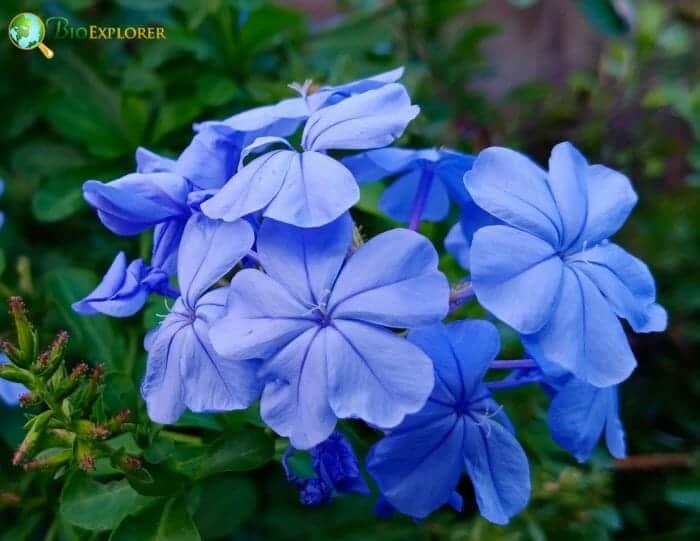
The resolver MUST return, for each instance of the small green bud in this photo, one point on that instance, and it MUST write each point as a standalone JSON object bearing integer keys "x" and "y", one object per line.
{"x": 26, "y": 335}
{"x": 37, "y": 427}
{"x": 52, "y": 460}
{"x": 16, "y": 374}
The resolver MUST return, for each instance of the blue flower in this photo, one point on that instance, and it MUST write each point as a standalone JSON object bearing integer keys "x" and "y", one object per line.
{"x": 580, "y": 413}
{"x": 425, "y": 182}
{"x": 183, "y": 370}
{"x": 550, "y": 272}
{"x": 283, "y": 118}
{"x": 124, "y": 289}
{"x": 319, "y": 324}
{"x": 10, "y": 391}
{"x": 418, "y": 464}
{"x": 336, "y": 468}
{"x": 309, "y": 188}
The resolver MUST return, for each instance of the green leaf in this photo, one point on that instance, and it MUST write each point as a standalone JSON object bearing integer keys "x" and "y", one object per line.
{"x": 269, "y": 25}
{"x": 93, "y": 336}
{"x": 237, "y": 452}
{"x": 169, "y": 521}
{"x": 225, "y": 504}
{"x": 87, "y": 504}
{"x": 56, "y": 201}
{"x": 175, "y": 115}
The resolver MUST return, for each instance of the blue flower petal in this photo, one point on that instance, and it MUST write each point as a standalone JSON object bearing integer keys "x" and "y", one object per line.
{"x": 136, "y": 202}
{"x": 166, "y": 242}
{"x": 261, "y": 318}
{"x": 369, "y": 120}
{"x": 457, "y": 245}
{"x": 120, "y": 293}
{"x": 568, "y": 174}
{"x": 305, "y": 260}
{"x": 626, "y": 283}
{"x": 516, "y": 276}
{"x": 294, "y": 402}
{"x": 398, "y": 200}
{"x": 162, "y": 384}
{"x": 614, "y": 431}
{"x": 209, "y": 249}
{"x": 408, "y": 292}
{"x": 150, "y": 162}
{"x": 212, "y": 384}
{"x": 281, "y": 119}
{"x": 450, "y": 170}
{"x": 418, "y": 471}
{"x": 316, "y": 190}
{"x": 498, "y": 469}
{"x": 210, "y": 159}
{"x": 610, "y": 200}
{"x": 381, "y": 163}
{"x": 461, "y": 352}
{"x": 374, "y": 374}
{"x": 306, "y": 190}
{"x": 252, "y": 188}
{"x": 514, "y": 189}
{"x": 330, "y": 95}
{"x": 583, "y": 335}
{"x": 577, "y": 417}
{"x": 10, "y": 391}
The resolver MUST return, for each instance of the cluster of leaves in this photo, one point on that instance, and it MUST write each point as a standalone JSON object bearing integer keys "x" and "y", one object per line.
{"x": 82, "y": 115}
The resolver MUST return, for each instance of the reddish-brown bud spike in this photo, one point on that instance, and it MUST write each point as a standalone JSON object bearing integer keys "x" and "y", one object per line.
{"x": 100, "y": 432}
{"x": 27, "y": 399}
{"x": 17, "y": 306}
{"x": 61, "y": 339}
{"x": 98, "y": 373}
{"x": 131, "y": 463}
{"x": 42, "y": 360}
{"x": 9, "y": 348}
{"x": 87, "y": 463}
{"x": 79, "y": 371}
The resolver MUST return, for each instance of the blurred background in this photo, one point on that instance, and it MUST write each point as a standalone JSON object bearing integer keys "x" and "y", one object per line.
{"x": 618, "y": 78}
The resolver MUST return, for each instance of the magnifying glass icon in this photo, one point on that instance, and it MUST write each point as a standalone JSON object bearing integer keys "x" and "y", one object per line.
{"x": 27, "y": 32}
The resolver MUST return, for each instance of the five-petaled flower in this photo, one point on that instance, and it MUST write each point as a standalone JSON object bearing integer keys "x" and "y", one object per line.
{"x": 183, "y": 370}
{"x": 321, "y": 324}
{"x": 550, "y": 272}
{"x": 418, "y": 464}
{"x": 309, "y": 188}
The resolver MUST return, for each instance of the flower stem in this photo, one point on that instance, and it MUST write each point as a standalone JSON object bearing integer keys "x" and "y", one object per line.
{"x": 513, "y": 383}
{"x": 460, "y": 294}
{"x": 512, "y": 364}
{"x": 426, "y": 181}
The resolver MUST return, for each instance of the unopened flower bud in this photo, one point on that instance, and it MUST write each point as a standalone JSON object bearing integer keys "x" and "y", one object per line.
{"x": 37, "y": 426}
{"x": 48, "y": 361}
{"x": 26, "y": 335}
{"x": 84, "y": 456}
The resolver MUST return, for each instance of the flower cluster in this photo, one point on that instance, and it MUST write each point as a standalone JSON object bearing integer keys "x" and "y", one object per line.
{"x": 277, "y": 297}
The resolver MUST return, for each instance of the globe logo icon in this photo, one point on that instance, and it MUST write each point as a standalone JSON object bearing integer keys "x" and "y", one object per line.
{"x": 27, "y": 32}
